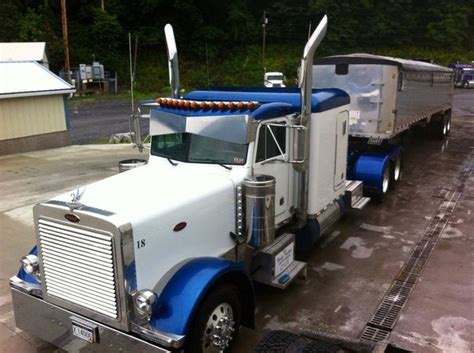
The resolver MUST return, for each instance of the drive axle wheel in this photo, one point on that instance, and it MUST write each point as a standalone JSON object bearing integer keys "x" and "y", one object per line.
{"x": 396, "y": 170}
{"x": 217, "y": 321}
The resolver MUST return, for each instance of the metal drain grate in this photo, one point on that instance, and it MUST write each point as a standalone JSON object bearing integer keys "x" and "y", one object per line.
{"x": 386, "y": 316}
{"x": 373, "y": 334}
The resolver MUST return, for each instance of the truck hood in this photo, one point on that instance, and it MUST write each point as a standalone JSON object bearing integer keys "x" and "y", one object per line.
{"x": 152, "y": 188}
{"x": 155, "y": 199}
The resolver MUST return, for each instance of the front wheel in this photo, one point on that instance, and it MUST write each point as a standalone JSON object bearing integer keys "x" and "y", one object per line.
{"x": 217, "y": 321}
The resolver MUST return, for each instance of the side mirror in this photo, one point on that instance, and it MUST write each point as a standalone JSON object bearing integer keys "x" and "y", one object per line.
{"x": 298, "y": 134}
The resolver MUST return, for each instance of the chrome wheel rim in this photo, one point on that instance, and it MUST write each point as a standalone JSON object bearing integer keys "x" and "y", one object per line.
{"x": 397, "y": 169}
{"x": 219, "y": 329}
{"x": 386, "y": 179}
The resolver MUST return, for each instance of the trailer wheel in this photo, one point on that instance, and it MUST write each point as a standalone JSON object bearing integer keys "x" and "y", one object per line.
{"x": 386, "y": 183}
{"x": 448, "y": 122}
{"x": 439, "y": 127}
{"x": 396, "y": 170}
{"x": 386, "y": 178}
{"x": 217, "y": 321}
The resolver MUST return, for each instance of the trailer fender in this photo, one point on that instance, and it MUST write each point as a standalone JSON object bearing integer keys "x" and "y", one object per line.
{"x": 370, "y": 167}
{"x": 182, "y": 295}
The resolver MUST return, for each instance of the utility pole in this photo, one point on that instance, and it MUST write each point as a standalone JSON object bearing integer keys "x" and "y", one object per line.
{"x": 102, "y": 5}
{"x": 65, "y": 41}
{"x": 264, "y": 24}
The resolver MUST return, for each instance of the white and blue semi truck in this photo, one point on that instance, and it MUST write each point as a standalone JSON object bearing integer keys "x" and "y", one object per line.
{"x": 162, "y": 258}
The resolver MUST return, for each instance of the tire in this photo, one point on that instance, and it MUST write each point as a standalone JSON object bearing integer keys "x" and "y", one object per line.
{"x": 279, "y": 342}
{"x": 396, "y": 171}
{"x": 386, "y": 183}
{"x": 439, "y": 127}
{"x": 448, "y": 122}
{"x": 211, "y": 312}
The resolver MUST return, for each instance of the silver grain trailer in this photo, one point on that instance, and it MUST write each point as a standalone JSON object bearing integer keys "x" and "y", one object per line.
{"x": 388, "y": 96}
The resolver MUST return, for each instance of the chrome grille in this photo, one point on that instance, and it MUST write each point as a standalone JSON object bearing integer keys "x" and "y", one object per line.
{"x": 78, "y": 265}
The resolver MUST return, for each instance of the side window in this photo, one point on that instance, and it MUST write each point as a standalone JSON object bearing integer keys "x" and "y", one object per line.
{"x": 271, "y": 142}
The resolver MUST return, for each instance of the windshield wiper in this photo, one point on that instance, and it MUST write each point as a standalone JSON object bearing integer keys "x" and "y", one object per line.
{"x": 174, "y": 164}
{"x": 225, "y": 166}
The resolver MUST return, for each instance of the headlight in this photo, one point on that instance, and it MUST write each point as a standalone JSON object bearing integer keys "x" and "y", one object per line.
{"x": 30, "y": 265}
{"x": 144, "y": 301}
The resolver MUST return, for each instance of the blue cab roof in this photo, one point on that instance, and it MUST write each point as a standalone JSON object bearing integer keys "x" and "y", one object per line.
{"x": 272, "y": 102}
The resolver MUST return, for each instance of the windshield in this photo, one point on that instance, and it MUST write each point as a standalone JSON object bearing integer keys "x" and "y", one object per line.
{"x": 469, "y": 72}
{"x": 186, "y": 147}
{"x": 274, "y": 78}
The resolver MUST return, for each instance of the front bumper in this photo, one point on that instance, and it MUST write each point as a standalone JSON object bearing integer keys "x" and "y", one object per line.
{"x": 54, "y": 324}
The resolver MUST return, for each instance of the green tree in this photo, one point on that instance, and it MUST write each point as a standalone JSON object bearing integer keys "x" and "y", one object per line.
{"x": 9, "y": 14}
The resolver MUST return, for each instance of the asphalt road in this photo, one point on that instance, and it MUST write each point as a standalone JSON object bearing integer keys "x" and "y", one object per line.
{"x": 348, "y": 273}
{"x": 94, "y": 120}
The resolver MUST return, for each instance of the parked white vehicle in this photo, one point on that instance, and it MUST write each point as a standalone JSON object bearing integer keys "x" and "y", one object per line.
{"x": 274, "y": 79}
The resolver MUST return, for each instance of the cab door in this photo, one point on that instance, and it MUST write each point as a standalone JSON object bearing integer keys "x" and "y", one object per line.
{"x": 271, "y": 158}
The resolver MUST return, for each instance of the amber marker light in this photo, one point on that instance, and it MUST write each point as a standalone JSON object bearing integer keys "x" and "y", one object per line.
{"x": 193, "y": 105}
{"x": 203, "y": 105}
{"x": 159, "y": 100}
{"x": 221, "y": 105}
{"x": 240, "y": 105}
{"x": 212, "y": 105}
{"x": 251, "y": 105}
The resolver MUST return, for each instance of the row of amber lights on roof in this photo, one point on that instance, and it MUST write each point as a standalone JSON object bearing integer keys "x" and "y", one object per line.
{"x": 196, "y": 105}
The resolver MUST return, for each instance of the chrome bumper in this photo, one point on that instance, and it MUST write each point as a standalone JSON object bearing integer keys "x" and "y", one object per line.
{"x": 54, "y": 324}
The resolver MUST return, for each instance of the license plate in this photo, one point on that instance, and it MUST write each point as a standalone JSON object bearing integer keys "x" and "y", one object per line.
{"x": 284, "y": 259}
{"x": 85, "y": 332}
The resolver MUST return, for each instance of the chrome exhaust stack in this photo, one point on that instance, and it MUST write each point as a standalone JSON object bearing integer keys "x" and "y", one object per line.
{"x": 172, "y": 61}
{"x": 302, "y": 140}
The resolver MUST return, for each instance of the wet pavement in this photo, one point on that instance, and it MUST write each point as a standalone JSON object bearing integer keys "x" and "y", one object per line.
{"x": 348, "y": 273}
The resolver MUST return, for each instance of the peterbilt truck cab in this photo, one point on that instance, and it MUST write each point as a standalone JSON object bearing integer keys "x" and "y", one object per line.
{"x": 163, "y": 257}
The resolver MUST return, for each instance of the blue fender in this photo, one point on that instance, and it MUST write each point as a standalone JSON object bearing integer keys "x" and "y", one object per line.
{"x": 370, "y": 166}
{"x": 182, "y": 295}
{"x": 25, "y": 276}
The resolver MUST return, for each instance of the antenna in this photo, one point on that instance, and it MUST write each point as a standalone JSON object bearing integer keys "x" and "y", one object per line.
{"x": 207, "y": 69}
{"x": 135, "y": 116}
{"x": 132, "y": 78}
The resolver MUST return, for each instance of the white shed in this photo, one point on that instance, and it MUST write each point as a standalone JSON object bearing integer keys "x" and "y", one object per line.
{"x": 24, "y": 51}
{"x": 33, "y": 108}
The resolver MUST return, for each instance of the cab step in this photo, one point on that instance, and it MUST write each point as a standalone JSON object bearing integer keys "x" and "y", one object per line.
{"x": 275, "y": 265}
{"x": 354, "y": 195}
